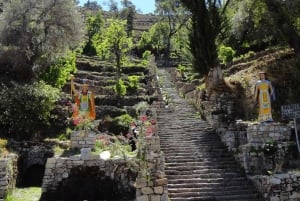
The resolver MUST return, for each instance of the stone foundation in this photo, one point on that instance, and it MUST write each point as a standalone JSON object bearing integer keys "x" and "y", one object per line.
{"x": 8, "y": 174}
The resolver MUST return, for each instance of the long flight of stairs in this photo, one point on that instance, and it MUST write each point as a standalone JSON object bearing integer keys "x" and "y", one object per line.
{"x": 198, "y": 165}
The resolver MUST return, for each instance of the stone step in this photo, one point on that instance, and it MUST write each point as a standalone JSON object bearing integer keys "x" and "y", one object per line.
{"x": 203, "y": 176}
{"x": 230, "y": 181}
{"x": 251, "y": 197}
{"x": 214, "y": 194}
{"x": 201, "y": 171}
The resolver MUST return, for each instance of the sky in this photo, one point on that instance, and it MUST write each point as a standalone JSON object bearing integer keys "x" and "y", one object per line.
{"x": 145, "y": 6}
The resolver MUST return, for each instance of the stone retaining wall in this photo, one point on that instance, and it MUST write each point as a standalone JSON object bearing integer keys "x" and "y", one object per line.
{"x": 152, "y": 186}
{"x": 8, "y": 174}
{"x": 279, "y": 187}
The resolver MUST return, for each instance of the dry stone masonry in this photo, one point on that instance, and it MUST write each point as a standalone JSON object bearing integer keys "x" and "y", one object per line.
{"x": 152, "y": 185}
{"x": 8, "y": 174}
{"x": 83, "y": 139}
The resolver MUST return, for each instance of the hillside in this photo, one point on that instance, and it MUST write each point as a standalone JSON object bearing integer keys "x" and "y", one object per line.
{"x": 281, "y": 68}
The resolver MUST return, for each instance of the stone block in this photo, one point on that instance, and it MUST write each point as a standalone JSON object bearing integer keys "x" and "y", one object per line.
{"x": 142, "y": 198}
{"x": 161, "y": 182}
{"x": 140, "y": 183}
{"x": 155, "y": 198}
{"x": 158, "y": 190}
{"x": 147, "y": 190}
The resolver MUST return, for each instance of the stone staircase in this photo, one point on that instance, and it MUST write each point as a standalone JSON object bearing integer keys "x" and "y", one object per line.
{"x": 198, "y": 165}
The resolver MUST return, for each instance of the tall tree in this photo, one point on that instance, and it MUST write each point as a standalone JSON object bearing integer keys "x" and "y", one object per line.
{"x": 207, "y": 19}
{"x": 280, "y": 13}
{"x": 115, "y": 43}
{"x": 127, "y": 13}
{"x": 37, "y": 32}
{"x": 94, "y": 24}
{"x": 174, "y": 15}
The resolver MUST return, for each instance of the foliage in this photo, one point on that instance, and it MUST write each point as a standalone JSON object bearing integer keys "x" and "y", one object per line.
{"x": 144, "y": 42}
{"x": 134, "y": 82}
{"x": 123, "y": 120}
{"x": 158, "y": 37}
{"x": 114, "y": 43}
{"x": 120, "y": 88}
{"x": 174, "y": 15}
{"x": 26, "y": 110}
{"x": 95, "y": 24}
{"x": 58, "y": 74}
{"x": 3, "y": 143}
{"x": 39, "y": 32}
{"x": 226, "y": 54}
{"x": 25, "y": 194}
{"x": 127, "y": 13}
{"x": 208, "y": 23}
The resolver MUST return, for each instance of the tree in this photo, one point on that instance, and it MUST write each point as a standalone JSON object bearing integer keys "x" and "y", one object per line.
{"x": 94, "y": 24}
{"x": 281, "y": 12}
{"x": 127, "y": 13}
{"x": 174, "y": 15}
{"x": 35, "y": 33}
{"x": 159, "y": 37}
{"x": 115, "y": 43}
{"x": 207, "y": 24}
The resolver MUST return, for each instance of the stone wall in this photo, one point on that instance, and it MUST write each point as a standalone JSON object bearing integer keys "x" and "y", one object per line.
{"x": 143, "y": 177}
{"x": 279, "y": 187}
{"x": 8, "y": 174}
{"x": 83, "y": 139}
{"x": 152, "y": 185}
{"x": 66, "y": 178}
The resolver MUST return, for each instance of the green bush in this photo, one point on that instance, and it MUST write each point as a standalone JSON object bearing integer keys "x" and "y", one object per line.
{"x": 225, "y": 54}
{"x": 58, "y": 74}
{"x": 26, "y": 110}
{"x": 120, "y": 88}
{"x": 134, "y": 81}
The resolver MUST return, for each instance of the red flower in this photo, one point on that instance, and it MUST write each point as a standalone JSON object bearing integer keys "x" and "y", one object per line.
{"x": 143, "y": 118}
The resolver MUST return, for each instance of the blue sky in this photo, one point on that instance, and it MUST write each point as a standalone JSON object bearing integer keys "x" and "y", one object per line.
{"x": 145, "y": 6}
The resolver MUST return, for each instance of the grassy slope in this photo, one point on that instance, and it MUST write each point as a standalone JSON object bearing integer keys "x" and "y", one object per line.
{"x": 282, "y": 69}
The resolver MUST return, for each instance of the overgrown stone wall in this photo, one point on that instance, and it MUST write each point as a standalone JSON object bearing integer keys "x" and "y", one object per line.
{"x": 8, "y": 174}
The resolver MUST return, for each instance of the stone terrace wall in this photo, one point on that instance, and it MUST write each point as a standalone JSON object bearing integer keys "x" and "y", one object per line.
{"x": 8, "y": 174}
{"x": 279, "y": 187}
{"x": 152, "y": 186}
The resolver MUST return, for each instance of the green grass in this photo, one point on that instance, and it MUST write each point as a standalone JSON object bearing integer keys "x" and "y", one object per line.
{"x": 25, "y": 194}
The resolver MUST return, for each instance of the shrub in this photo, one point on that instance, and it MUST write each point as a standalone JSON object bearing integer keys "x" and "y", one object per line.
{"x": 58, "y": 74}
{"x": 120, "y": 88}
{"x": 134, "y": 82}
{"x": 26, "y": 110}
{"x": 226, "y": 54}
